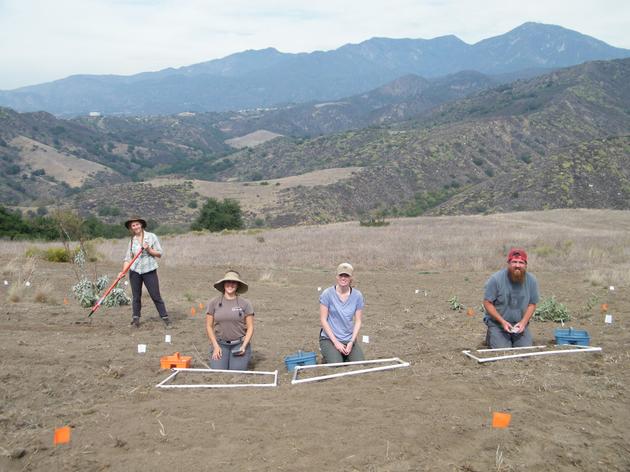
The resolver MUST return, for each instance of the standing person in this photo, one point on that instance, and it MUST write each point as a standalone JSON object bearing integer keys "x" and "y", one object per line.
{"x": 510, "y": 299}
{"x": 230, "y": 324}
{"x": 340, "y": 314}
{"x": 144, "y": 269}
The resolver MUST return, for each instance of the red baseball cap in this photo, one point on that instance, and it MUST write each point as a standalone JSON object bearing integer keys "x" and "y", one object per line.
{"x": 518, "y": 254}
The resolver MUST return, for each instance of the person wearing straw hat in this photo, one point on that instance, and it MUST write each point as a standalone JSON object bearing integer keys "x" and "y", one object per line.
{"x": 144, "y": 269}
{"x": 230, "y": 324}
{"x": 510, "y": 298}
{"x": 340, "y": 314}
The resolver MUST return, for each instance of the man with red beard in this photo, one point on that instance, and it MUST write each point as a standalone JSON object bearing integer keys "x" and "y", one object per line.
{"x": 510, "y": 299}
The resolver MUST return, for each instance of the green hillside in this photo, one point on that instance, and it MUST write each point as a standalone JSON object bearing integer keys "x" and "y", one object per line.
{"x": 475, "y": 143}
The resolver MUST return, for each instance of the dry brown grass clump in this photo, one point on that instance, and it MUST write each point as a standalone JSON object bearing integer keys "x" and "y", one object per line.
{"x": 44, "y": 293}
{"x": 19, "y": 271}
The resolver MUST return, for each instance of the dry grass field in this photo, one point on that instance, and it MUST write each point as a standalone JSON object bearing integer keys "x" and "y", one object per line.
{"x": 254, "y": 197}
{"x": 63, "y": 167}
{"x": 569, "y": 412}
{"x": 252, "y": 139}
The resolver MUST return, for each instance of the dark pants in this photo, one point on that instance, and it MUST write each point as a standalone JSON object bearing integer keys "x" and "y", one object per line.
{"x": 151, "y": 282}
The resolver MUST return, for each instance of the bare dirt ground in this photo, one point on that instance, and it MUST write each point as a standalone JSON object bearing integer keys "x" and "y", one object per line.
{"x": 569, "y": 412}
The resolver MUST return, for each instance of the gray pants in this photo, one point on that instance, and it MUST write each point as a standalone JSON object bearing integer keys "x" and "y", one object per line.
{"x": 228, "y": 360}
{"x": 152, "y": 284}
{"x": 497, "y": 337}
{"x": 333, "y": 356}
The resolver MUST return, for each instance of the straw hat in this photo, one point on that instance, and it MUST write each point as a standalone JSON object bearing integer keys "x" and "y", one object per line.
{"x": 232, "y": 276}
{"x": 135, "y": 218}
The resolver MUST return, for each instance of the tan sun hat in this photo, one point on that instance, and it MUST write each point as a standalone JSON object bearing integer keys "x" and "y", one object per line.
{"x": 345, "y": 268}
{"x": 232, "y": 276}
{"x": 135, "y": 218}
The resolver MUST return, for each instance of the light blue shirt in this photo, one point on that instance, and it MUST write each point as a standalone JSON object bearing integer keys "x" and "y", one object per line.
{"x": 341, "y": 314}
{"x": 146, "y": 262}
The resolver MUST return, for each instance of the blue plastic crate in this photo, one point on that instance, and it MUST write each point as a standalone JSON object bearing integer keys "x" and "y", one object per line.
{"x": 299, "y": 358}
{"x": 572, "y": 336}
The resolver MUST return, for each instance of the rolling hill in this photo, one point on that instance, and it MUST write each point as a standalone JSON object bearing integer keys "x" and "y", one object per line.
{"x": 552, "y": 141}
{"x": 447, "y": 162}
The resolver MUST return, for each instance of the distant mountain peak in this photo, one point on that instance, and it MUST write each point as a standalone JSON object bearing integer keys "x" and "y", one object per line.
{"x": 267, "y": 77}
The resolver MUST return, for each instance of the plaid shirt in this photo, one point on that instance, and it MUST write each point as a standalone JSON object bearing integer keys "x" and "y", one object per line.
{"x": 146, "y": 262}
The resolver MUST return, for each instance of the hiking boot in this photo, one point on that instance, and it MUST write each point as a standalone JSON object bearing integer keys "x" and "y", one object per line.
{"x": 167, "y": 322}
{"x": 135, "y": 322}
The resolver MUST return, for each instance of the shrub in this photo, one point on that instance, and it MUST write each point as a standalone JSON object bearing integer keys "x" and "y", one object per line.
{"x": 551, "y": 310}
{"x": 374, "y": 222}
{"x": 56, "y": 254}
{"x": 218, "y": 215}
{"x": 88, "y": 292}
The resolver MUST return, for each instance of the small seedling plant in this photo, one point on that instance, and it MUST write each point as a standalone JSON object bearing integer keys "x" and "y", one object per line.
{"x": 455, "y": 303}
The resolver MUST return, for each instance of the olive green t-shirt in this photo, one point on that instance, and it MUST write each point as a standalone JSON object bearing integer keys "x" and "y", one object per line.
{"x": 229, "y": 317}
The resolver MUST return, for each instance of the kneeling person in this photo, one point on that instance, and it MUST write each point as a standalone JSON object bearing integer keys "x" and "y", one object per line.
{"x": 340, "y": 314}
{"x": 230, "y": 324}
{"x": 510, "y": 299}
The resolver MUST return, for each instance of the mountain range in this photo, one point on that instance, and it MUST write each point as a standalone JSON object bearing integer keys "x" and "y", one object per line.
{"x": 557, "y": 140}
{"x": 268, "y": 78}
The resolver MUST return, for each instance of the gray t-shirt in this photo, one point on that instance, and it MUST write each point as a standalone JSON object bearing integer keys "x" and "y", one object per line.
{"x": 510, "y": 299}
{"x": 229, "y": 317}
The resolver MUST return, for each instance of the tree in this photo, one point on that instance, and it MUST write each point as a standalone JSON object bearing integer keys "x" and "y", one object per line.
{"x": 218, "y": 215}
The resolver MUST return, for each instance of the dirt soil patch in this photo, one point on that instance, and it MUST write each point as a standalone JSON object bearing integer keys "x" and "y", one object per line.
{"x": 568, "y": 412}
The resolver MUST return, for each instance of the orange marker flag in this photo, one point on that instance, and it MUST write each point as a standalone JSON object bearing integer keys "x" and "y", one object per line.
{"x": 501, "y": 420}
{"x": 65, "y": 301}
{"x": 62, "y": 435}
{"x": 201, "y": 306}
{"x": 193, "y": 312}
{"x": 470, "y": 312}
{"x": 604, "y": 307}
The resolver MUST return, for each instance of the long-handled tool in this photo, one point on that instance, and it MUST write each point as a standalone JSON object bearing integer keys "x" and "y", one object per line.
{"x": 97, "y": 305}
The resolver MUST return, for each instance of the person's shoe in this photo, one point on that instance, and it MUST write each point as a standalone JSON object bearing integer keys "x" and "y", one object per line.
{"x": 167, "y": 321}
{"x": 135, "y": 322}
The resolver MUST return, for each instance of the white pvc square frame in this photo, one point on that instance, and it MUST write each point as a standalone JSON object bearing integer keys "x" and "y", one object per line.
{"x": 164, "y": 383}
{"x": 297, "y": 369}
{"x": 575, "y": 348}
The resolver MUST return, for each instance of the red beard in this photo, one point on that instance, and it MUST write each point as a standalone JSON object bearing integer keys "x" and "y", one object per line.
{"x": 516, "y": 274}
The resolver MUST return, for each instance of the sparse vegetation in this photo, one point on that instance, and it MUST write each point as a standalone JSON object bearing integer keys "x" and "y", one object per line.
{"x": 455, "y": 304}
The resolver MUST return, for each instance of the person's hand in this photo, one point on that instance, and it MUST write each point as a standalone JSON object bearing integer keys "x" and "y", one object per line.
{"x": 340, "y": 347}
{"x": 507, "y": 326}
{"x": 120, "y": 275}
{"x": 216, "y": 353}
{"x": 348, "y": 348}
{"x": 145, "y": 246}
{"x": 241, "y": 350}
{"x": 518, "y": 328}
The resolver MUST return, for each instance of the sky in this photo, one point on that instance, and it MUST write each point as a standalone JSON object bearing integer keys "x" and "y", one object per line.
{"x": 45, "y": 40}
